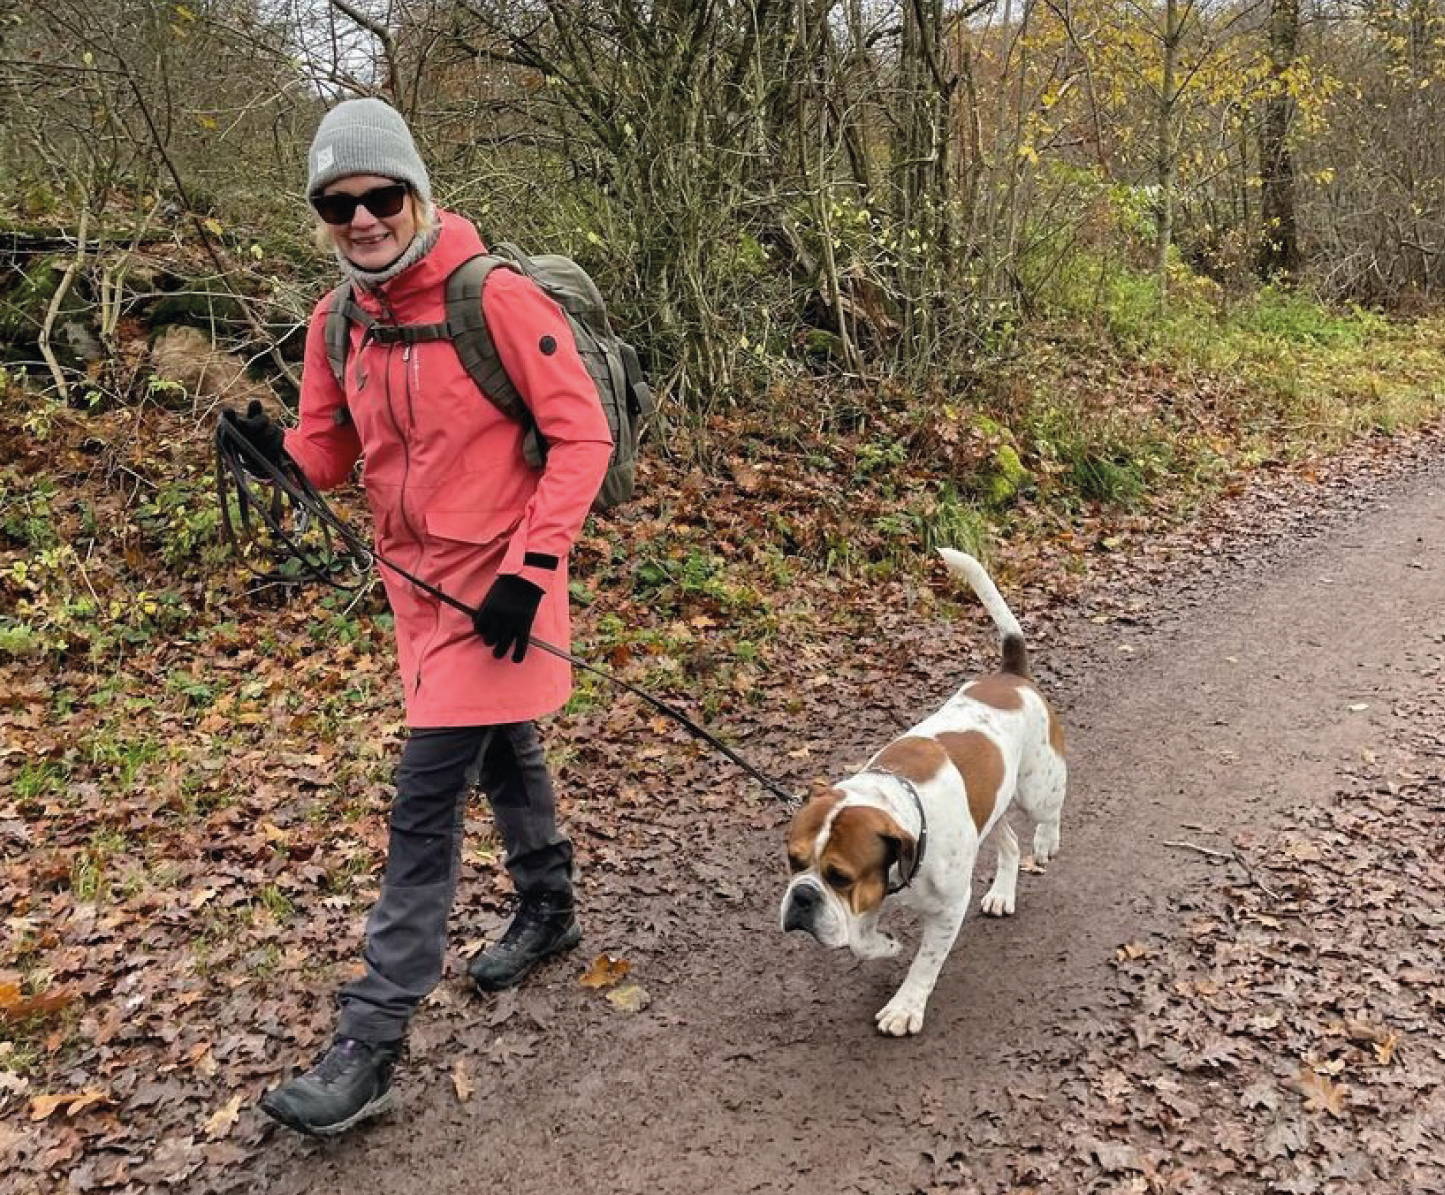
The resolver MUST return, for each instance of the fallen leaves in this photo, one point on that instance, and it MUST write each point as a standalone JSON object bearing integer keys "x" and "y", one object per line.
{"x": 1321, "y": 1094}
{"x": 1420, "y": 976}
{"x": 1283, "y": 1039}
{"x": 220, "y": 772}
{"x": 223, "y": 1119}
{"x": 604, "y": 972}
{"x": 15, "y": 1007}
{"x": 74, "y": 1102}
{"x": 630, "y": 997}
{"x": 1115, "y": 1157}
{"x": 462, "y": 1081}
{"x": 1262, "y": 1093}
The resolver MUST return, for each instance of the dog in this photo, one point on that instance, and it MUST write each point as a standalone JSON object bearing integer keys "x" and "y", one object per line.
{"x": 910, "y": 823}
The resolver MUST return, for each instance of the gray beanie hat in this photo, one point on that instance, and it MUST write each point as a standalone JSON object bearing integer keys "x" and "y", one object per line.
{"x": 365, "y": 136}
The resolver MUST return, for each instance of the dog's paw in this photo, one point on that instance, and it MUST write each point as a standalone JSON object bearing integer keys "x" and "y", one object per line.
{"x": 997, "y": 904}
{"x": 1046, "y": 843}
{"x": 878, "y": 946}
{"x": 901, "y": 1016}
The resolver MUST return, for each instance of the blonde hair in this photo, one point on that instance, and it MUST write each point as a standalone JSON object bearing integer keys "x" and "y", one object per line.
{"x": 423, "y": 215}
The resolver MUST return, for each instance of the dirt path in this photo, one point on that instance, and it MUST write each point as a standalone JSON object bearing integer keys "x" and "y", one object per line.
{"x": 1226, "y": 703}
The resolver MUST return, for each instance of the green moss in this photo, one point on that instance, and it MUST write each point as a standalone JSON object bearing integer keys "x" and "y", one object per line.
{"x": 205, "y": 311}
{"x": 1008, "y": 475}
{"x": 24, "y": 302}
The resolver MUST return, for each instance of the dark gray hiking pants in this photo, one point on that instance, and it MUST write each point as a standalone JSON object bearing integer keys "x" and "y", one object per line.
{"x": 406, "y": 931}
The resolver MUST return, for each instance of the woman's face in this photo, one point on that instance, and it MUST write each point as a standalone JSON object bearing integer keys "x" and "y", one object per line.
{"x": 369, "y": 241}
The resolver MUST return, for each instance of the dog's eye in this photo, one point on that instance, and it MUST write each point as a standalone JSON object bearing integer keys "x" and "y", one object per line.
{"x": 796, "y": 864}
{"x": 838, "y": 879}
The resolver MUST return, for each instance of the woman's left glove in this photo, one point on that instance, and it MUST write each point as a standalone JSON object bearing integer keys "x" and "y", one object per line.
{"x": 262, "y": 433}
{"x": 505, "y": 618}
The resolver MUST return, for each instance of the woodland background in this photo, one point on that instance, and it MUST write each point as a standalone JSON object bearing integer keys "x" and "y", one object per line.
{"x": 1032, "y": 277}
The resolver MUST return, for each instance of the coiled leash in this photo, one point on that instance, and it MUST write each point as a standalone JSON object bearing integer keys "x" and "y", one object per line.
{"x": 326, "y": 548}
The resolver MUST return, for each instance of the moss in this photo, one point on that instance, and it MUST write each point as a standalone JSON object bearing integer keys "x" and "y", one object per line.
{"x": 23, "y": 303}
{"x": 818, "y": 343}
{"x": 37, "y": 199}
{"x": 204, "y": 311}
{"x": 24, "y": 300}
{"x": 1005, "y": 475}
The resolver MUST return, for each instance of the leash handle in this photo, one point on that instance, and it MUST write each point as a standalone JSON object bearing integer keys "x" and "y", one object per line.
{"x": 288, "y": 479}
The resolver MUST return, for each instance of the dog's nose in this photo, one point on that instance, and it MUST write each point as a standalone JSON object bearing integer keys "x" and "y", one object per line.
{"x": 801, "y": 906}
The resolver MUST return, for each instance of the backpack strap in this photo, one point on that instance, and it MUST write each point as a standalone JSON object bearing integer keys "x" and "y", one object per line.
{"x": 339, "y": 315}
{"x": 344, "y": 310}
{"x": 466, "y": 326}
{"x": 408, "y": 333}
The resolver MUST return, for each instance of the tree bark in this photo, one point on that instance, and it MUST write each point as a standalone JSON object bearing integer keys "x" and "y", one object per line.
{"x": 1279, "y": 254}
{"x": 1167, "y": 161}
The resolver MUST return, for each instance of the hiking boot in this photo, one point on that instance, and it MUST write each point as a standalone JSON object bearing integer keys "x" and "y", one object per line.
{"x": 350, "y": 1084}
{"x": 545, "y": 924}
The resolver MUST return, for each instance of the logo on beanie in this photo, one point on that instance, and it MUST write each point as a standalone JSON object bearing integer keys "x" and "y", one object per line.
{"x": 324, "y": 157}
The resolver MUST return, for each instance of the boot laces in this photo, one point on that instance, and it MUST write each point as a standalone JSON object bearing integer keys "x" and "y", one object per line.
{"x": 531, "y": 912}
{"x": 339, "y": 1059}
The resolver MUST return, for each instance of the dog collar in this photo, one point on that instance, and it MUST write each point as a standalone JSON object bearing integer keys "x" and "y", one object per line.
{"x": 922, "y": 843}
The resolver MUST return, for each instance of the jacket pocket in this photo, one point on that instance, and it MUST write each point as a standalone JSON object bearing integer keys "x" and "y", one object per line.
{"x": 472, "y": 526}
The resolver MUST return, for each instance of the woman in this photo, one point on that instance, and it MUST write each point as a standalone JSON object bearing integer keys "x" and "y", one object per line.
{"x": 454, "y": 502}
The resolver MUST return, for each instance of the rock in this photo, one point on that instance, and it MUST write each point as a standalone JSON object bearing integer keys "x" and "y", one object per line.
{"x": 79, "y": 337}
{"x": 190, "y": 369}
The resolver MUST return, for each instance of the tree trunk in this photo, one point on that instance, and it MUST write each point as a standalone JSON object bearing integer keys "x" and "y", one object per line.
{"x": 1167, "y": 161}
{"x": 923, "y": 168}
{"x": 1279, "y": 243}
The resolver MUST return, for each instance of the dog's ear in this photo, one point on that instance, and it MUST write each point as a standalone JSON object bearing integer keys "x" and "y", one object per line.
{"x": 808, "y": 822}
{"x": 902, "y": 849}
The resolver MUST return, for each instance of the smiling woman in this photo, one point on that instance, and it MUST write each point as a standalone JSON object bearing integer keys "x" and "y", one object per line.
{"x": 453, "y": 493}
{"x": 371, "y": 219}
{"x": 371, "y": 192}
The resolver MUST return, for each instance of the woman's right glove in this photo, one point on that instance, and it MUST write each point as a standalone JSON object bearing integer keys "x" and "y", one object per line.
{"x": 261, "y": 432}
{"x": 505, "y": 618}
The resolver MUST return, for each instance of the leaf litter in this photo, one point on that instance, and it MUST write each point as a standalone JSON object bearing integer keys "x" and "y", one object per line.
{"x": 183, "y": 898}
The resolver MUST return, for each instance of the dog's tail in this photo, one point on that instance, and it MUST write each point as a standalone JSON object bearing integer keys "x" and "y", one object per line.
{"x": 964, "y": 566}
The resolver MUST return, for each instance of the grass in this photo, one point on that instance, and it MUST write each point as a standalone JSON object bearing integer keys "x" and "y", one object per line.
{"x": 123, "y": 758}
{"x": 90, "y": 870}
{"x": 276, "y": 902}
{"x": 38, "y": 779}
{"x": 1124, "y": 403}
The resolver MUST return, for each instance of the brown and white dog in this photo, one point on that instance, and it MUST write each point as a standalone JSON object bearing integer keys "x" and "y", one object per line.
{"x": 911, "y": 822}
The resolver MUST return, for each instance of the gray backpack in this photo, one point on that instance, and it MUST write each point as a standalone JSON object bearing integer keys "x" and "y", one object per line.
{"x": 625, "y": 396}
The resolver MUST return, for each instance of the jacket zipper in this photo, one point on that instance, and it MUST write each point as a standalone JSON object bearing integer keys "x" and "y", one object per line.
{"x": 403, "y": 439}
{"x": 421, "y": 545}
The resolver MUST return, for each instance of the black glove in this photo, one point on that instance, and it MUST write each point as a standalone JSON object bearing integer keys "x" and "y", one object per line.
{"x": 261, "y": 432}
{"x": 505, "y": 619}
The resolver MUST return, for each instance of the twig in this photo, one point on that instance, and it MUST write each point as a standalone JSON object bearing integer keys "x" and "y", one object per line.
{"x": 361, "y": 592}
{"x": 1229, "y": 856}
{"x": 1254, "y": 879}
{"x": 127, "y": 469}
{"x": 1203, "y": 850}
{"x": 52, "y": 312}
{"x": 382, "y": 34}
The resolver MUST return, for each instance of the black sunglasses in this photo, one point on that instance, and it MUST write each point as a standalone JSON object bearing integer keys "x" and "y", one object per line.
{"x": 340, "y": 208}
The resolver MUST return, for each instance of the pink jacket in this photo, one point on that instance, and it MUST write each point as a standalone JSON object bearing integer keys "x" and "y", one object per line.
{"x": 452, "y": 497}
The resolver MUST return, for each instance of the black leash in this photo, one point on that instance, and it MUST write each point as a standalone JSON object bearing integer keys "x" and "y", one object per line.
{"x": 238, "y": 462}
